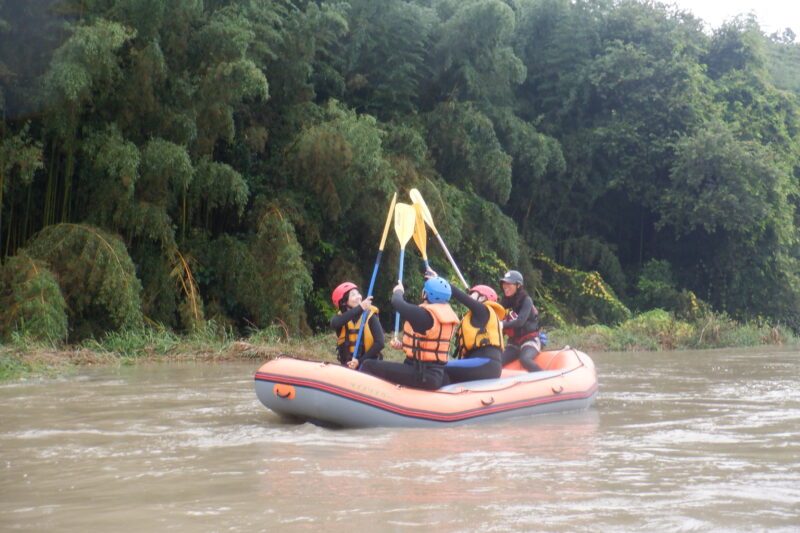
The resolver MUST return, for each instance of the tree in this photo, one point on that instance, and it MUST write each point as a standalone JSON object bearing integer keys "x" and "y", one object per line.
{"x": 31, "y": 301}
{"x": 95, "y": 274}
{"x": 467, "y": 152}
{"x": 20, "y": 158}
{"x": 719, "y": 182}
{"x": 244, "y": 152}
{"x": 475, "y": 60}
{"x": 740, "y": 193}
{"x": 384, "y": 58}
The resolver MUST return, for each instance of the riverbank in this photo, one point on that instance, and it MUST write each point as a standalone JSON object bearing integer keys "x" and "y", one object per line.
{"x": 24, "y": 358}
{"x": 651, "y": 331}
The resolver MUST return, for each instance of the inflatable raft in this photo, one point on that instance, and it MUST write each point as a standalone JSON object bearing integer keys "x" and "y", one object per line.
{"x": 332, "y": 395}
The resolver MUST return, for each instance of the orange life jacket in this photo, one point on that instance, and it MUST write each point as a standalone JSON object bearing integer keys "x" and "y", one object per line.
{"x": 434, "y": 344}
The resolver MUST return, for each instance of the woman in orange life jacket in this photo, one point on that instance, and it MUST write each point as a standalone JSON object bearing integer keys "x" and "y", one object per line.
{"x": 347, "y": 322}
{"x": 479, "y": 348}
{"x": 427, "y": 331}
{"x": 521, "y": 323}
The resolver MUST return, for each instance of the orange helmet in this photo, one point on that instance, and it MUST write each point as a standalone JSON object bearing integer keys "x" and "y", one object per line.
{"x": 485, "y": 291}
{"x": 341, "y": 290}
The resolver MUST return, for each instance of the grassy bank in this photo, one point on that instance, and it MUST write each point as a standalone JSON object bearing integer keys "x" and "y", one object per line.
{"x": 651, "y": 331}
{"x": 26, "y": 358}
{"x": 658, "y": 330}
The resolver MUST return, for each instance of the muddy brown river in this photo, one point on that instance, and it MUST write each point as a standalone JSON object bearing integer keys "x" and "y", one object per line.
{"x": 683, "y": 441}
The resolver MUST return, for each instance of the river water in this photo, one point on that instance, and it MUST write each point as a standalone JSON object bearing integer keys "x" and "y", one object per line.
{"x": 682, "y": 441}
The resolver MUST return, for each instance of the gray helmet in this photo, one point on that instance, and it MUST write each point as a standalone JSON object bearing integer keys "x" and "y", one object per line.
{"x": 512, "y": 276}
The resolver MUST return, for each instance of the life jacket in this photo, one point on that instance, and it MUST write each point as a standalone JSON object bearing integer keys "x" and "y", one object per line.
{"x": 349, "y": 334}
{"x": 434, "y": 344}
{"x": 469, "y": 337}
{"x": 528, "y": 331}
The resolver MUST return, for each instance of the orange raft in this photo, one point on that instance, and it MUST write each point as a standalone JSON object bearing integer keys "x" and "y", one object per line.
{"x": 333, "y": 395}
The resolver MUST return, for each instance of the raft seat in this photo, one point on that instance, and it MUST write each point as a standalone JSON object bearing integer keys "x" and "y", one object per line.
{"x": 563, "y": 359}
{"x": 501, "y": 382}
{"x": 508, "y": 372}
{"x": 560, "y": 360}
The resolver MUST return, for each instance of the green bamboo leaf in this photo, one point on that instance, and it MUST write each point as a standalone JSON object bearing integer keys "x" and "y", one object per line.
{"x": 31, "y": 302}
{"x": 96, "y": 276}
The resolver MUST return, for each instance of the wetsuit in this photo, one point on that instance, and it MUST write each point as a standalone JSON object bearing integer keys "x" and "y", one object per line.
{"x": 523, "y": 331}
{"x": 483, "y": 362}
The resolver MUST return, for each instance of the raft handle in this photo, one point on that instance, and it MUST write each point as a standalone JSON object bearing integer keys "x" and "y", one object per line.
{"x": 281, "y": 390}
{"x": 558, "y": 390}
{"x": 488, "y": 402}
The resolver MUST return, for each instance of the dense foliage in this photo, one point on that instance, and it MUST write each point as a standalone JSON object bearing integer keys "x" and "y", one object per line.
{"x": 232, "y": 160}
{"x": 31, "y": 300}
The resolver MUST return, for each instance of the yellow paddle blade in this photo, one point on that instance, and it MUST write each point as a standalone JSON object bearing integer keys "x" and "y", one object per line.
{"x": 420, "y": 233}
{"x": 405, "y": 217}
{"x": 388, "y": 222}
{"x": 416, "y": 197}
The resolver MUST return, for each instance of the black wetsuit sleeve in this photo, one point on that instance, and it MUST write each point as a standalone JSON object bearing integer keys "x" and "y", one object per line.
{"x": 376, "y": 329}
{"x": 339, "y": 321}
{"x": 480, "y": 313}
{"x": 420, "y": 319}
{"x": 523, "y": 313}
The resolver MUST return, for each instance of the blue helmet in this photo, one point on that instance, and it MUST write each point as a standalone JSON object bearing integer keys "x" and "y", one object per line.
{"x": 438, "y": 290}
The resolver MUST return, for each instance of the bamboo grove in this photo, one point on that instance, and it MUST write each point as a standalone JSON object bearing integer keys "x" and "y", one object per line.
{"x": 230, "y": 161}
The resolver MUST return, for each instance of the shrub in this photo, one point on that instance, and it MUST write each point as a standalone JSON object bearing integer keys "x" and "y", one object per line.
{"x": 659, "y": 328}
{"x": 585, "y": 294}
{"x": 31, "y": 302}
{"x": 96, "y": 277}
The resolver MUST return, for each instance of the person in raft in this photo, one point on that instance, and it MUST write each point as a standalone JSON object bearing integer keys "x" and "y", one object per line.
{"x": 352, "y": 310}
{"x": 479, "y": 342}
{"x": 427, "y": 331}
{"x": 521, "y": 323}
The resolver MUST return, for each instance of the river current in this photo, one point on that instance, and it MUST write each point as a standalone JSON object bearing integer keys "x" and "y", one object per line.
{"x": 677, "y": 441}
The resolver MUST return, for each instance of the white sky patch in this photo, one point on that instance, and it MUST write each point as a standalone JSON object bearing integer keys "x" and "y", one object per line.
{"x": 773, "y": 15}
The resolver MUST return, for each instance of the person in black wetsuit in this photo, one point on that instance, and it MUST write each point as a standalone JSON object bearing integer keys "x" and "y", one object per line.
{"x": 521, "y": 323}
{"x": 346, "y": 323}
{"x": 479, "y": 348}
{"x": 427, "y": 331}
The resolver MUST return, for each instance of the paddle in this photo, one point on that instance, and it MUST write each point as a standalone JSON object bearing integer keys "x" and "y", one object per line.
{"x": 404, "y": 218}
{"x": 375, "y": 272}
{"x": 416, "y": 197}
{"x": 421, "y": 235}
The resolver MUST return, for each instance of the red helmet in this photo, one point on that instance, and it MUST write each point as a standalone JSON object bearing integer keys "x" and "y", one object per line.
{"x": 341, "y": 290}
{"x": 485, "y": 291}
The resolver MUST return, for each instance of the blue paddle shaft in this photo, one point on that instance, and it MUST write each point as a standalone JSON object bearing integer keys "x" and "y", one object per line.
{"x": 375, "y": 272}
{"x": 369, "y": 293}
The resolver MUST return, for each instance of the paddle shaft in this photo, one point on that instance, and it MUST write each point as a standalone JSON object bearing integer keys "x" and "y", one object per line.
{"x": 364, "y": 313}
{"x": 374, "y": 275}
{"x": 452, "y": 261}
{"x": 399, "y": 279}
